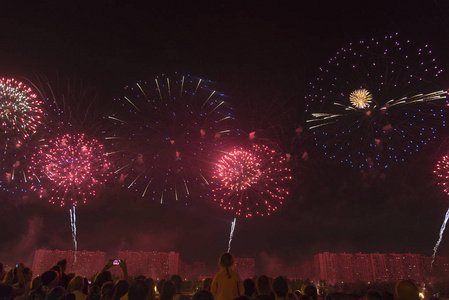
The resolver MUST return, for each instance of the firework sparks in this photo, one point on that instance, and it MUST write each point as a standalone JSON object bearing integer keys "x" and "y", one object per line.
{"x": 20, "y": 111}
{"x": 20, "y": 116}
{"x": 69, "y": 169}
{"x": 442, "y": 172}
{"x": 360, "y": 98}
{"x": 165, "y": 133}
{"x": 251, "y": 181}
{"x": 376, "y": 102}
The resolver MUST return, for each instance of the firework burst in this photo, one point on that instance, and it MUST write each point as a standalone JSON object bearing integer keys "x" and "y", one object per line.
{"x": 165, "y": 132}
{"x": 360, "y": 98}
{"x": 442, "y": 173}
{"x": 376, "y": 102}
{"x": 69, "y": 169}
{"x": 20, "y": 112}
{"x": 251, "y": 182}
{"x": 21, "y": 115}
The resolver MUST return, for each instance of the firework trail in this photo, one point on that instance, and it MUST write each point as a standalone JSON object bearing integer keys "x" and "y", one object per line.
{"x": 443, "y": 227}
{"x": 72, "y": 212}
{"x": 231, "y": 235}
{"x": 442, "y": 173}
{"x": 165, "y": 132}
{"x": 376, "y": 102}
{"x": 69, "y": 169}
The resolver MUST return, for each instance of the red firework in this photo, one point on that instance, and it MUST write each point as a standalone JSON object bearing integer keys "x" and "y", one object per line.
{"x": 252, "y": 181}
{"x": 69, "y": 169}
{"x": 442, "y": 171}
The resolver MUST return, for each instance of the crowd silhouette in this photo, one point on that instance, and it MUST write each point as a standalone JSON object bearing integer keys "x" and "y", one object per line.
{"x": 18, "y": 283}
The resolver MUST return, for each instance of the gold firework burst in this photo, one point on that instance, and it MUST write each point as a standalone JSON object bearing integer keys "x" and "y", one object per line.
{"x": 360, "y": 98}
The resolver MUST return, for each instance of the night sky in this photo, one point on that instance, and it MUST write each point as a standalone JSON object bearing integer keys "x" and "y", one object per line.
{"x": 262, "y": 56}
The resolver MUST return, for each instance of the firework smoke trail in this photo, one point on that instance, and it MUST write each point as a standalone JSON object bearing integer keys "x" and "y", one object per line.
{"x": 443, "y": 227}
{"x": 231, "y": 234}
{"x": 73, "y": 225}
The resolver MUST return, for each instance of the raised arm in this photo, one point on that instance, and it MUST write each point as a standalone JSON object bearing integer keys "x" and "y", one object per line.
{"x": 124, "y": 269}
{"x": 105, "y": 268}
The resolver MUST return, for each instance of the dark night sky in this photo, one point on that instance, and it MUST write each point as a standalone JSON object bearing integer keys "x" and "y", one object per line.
{"x": 256, "y": 52}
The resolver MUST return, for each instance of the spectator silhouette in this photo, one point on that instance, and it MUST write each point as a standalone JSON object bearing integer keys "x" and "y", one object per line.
{"x": 102, "y": 277}
{"x": 373, "y": 295}
{"x": 76, "y": 286}
{"x": 5, "y": 291}
{"x": 86, "y": 286}
{"x": 226, "y": 284}
{"x": 249, "y": 290}
{"x": 64, "y": 278}
{"x": 108, "y": 291}
{"x": 24, "y": 282}
{"x": 57, "y": 269}
{"x": 56, "y": 293}
{"x": 94, "y": 292}
{"x": 311, "y": 291}
{"x": 35, "y": 283}
{"x": 168, "y": 290}
{"x": 330, "y": 296}
{"x": 105, "y": 276}
{"x": 68, "y": 296}
{"x": 264, "y": 288}
{"x": 122, "y": 288}
{"x": 203, "y": 295}
{"x": 177, "y": 281}
{"x": 406, "y": 290}
{"x": 9, "y": 277}
{"x": 138, "y": 290}
{"x": 151, "y": 292}
{"x": 387, "y": 296}
{"x": 159, "y": 286}
{"x": 207, "y": 283}
{"x": 50, "y": 280}
{"x": 280, "y": 288}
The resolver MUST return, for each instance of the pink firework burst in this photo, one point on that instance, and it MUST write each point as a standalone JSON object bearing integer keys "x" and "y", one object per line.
{"x": 251, "y": 181}
{"x": 69, "y": 169}
{"x": 442, "y": 172}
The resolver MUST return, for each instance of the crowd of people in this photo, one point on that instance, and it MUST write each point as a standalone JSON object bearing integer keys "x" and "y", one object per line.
{"x": 54, "y": 284}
